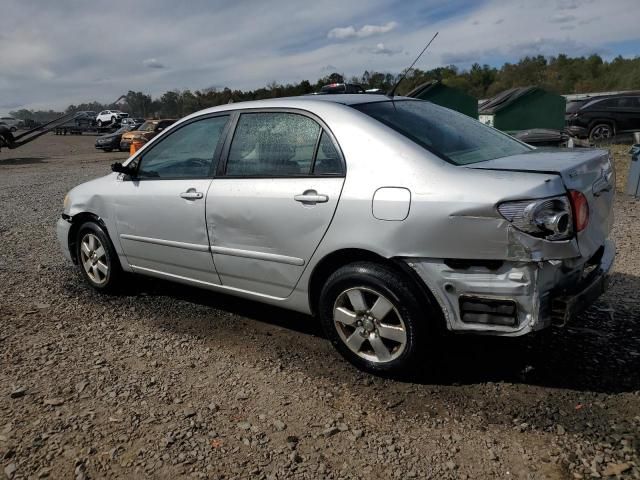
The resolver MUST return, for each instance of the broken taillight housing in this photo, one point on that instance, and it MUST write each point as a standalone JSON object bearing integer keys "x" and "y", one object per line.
{"x": 580, "y": 207}
{"x": 549, "y": 218}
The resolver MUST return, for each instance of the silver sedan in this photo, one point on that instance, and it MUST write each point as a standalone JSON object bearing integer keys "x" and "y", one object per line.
{"x": 392, "y": 220}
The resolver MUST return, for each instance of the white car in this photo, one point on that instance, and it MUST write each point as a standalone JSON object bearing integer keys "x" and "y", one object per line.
{"x": 12, "y": 123}
{"x": 106, "y": 117}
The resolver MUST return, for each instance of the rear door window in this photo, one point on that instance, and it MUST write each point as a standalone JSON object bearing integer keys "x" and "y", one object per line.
{"x": 273, "y": 144}
{"x": 328, "y": 160}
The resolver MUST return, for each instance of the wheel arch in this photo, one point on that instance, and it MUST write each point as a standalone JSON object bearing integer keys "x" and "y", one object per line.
{"x": 76, "y": 222}
{"x": 334, "y": 260}
{"x": 609, "y": 121}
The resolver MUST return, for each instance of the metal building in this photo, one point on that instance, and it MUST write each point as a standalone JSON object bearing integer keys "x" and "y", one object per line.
{"x": 524, "y": 108}
{"x": 449, "y": 97}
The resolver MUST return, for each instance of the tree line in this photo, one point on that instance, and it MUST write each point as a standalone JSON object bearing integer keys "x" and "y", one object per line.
{"x": 560, "y": 74}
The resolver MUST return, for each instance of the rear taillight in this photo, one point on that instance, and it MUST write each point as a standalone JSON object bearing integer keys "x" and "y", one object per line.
{"x": 549, "y": 218}
{"x": 580, "y": 207}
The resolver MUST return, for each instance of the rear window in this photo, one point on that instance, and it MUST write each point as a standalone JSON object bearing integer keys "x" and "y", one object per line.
{"x": 147, "y": 127}
{"x": 452, "y": 136}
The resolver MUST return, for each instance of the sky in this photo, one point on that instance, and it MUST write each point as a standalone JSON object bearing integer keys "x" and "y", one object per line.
{"x": 56, "y": 53}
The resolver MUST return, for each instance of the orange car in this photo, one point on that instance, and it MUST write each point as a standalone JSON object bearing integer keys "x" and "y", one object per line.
{"x": 145, "y": 132}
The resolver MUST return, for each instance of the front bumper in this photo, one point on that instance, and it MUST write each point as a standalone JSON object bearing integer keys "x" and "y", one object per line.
{"x": 576, "y": 131}
{"x": 102, "y": 146}
{"x": 514, "y": 298}
{"x": 62, "y": 232}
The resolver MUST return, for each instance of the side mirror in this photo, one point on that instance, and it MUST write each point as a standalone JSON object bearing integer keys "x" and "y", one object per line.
{"x": 120, "y": 168}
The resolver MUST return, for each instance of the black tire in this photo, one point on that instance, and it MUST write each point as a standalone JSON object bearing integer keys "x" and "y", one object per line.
{"x": 108, "y": 149}
{"x": 108, "y": 282}
{"x": 99, "y": 123}
{"x": 601, "y": 132}
{"x": 113, "y": 120}
{"x": 415, "y": 314}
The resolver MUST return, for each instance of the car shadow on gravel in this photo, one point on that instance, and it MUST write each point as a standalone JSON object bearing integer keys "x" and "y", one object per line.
{"x": 22, "y": 160}
{"x": 598, "y": 352}
{"x": 253, "y": 310}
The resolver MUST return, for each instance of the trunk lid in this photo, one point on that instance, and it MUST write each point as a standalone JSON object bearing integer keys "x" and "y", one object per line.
{"x": 587, "y": 171}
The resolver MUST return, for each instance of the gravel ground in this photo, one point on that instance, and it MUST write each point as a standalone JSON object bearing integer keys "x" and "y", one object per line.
{"x": 168, "y": 381}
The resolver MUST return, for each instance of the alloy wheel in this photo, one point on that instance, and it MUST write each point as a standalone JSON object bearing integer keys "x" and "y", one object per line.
{"x": 601, "y": 132}
{"x": 94, "y": 259}
{"x": 369, "y": 325}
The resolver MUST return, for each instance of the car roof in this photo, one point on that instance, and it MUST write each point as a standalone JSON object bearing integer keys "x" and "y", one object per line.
{"x": 305, "y": 102}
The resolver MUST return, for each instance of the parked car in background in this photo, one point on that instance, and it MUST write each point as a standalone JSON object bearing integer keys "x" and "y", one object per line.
{"x": 12, "y": 123}
{"x": 132, "y": 122}
{"x": 375, "y": 214}
{"x": 600, "y": 118}
{"x": 333, "y": 88}
{"x": 145, "y": 132}
{"x": 111, "y": 141}
{"x": 85, "y": 118}
{"x": 106, "y": 117}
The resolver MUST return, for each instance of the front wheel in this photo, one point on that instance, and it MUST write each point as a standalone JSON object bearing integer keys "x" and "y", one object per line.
{"x": 97, "y": 259}
{"x": 601, "y": 132}
{"x": 375, "y": 317}
{"x": 99, "y": 123}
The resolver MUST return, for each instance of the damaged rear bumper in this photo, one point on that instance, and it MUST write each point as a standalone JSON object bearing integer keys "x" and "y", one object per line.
{"x": 514, "y": 298}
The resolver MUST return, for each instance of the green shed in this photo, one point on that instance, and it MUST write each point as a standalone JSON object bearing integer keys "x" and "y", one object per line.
{"x": 449, "y": 97}
{"x": 524, "y": 108}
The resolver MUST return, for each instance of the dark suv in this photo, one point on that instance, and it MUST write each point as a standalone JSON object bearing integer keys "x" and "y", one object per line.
{"x": 602, "y": 117}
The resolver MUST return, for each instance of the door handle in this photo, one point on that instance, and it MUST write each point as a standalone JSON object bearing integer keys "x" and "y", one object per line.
{"x": 191, "y": 194}
{"x": 311, "y": 197}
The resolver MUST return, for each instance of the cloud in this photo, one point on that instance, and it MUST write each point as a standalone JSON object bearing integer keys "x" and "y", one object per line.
{"x": 153, "y": 63}
{"x": 43, "y": 65}
{"x": 342, "y": 33}
{"x": 559, "y": 18}
{"x": 381, "y": 49}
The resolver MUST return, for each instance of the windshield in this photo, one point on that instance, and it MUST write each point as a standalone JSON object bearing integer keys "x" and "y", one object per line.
{"x": 147, "y": 127}
{"x": 452, "y": 136}
{"x": 573, "y": 107}
{"x": 334, "y": 88}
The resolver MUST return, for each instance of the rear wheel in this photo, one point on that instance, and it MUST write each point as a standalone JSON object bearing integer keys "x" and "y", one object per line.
{"x": 374, "y": 317}
{"x": 601, "y": 132}
{"x": 97, "y": 259}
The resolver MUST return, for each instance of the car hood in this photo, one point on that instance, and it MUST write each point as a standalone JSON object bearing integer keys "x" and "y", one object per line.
{"x": 136, "y": 133}
{"x": 109, "y": 136}
{"x": 588, "y": 171}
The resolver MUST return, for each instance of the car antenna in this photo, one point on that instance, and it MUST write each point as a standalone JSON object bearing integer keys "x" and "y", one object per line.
{"x": 392, "y": 92}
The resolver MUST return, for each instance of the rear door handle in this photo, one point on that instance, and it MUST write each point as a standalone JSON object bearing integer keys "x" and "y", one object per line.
{"x": 311, "y": 197}
{"x": 191, "y": 194}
